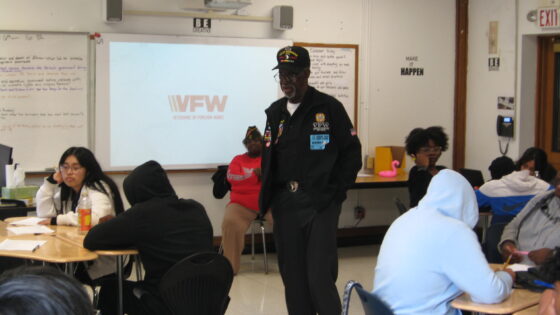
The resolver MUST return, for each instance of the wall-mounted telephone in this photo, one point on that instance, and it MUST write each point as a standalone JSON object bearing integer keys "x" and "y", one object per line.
{"x": 504, "y": 126}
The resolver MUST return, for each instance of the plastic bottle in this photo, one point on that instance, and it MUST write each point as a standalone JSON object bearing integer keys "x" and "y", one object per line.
{"x": 84, "y": 213}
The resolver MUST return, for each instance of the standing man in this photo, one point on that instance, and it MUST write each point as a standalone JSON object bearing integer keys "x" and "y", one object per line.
{"x": 311, "y": 157}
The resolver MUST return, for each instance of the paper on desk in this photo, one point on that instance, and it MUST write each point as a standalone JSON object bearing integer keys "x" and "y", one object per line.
{"x": 28, "y": 221}
{"x": 29, "y": 246}
{"x": 519, "y": 267}
{"x": 35, "y": 229}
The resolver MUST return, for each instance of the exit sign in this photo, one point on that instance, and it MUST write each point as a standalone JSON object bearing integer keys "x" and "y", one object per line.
{"x": 548, "y": 18}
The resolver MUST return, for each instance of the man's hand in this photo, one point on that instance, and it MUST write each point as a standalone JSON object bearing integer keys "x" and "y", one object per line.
{"x": 509, "y": 248}
{"x": 539, "y": 256}
{"x": 45, "y": 222}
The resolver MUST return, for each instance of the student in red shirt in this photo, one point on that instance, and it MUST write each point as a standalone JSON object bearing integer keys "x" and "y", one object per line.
{"x": 244, "y": 176}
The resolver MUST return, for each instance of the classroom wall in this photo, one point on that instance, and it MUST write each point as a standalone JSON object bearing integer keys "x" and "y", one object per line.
{"x": 387, "y": 31}
{"x": 517, "y": 49}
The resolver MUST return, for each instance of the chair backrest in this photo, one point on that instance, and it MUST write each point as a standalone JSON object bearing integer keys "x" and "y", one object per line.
{"x": 372, "y": 304}
{"x": 400, "y": 205}
{"x": 198, "y": 285}
{"x": 474, "y": 177}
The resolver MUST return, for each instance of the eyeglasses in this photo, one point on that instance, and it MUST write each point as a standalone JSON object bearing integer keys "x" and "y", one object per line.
{"x": 285, "y": 76}
{"x": 430, "y": 149}
{"x": 68, "y": 168}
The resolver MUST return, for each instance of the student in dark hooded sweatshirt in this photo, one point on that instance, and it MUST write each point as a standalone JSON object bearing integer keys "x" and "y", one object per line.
{"x": 164, "y": 229}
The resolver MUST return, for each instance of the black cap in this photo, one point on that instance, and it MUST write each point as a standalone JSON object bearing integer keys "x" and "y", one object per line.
{"x": 252, "y": 133}
{"x": 292, "y": 58}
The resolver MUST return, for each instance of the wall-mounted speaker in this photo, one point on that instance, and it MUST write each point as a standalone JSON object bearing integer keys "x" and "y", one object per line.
{"x": 112, "y": 10}
{"x": 283, "y": 17}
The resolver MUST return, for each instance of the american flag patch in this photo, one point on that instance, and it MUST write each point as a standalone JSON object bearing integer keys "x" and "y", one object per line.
{"x": 353, "y": 132}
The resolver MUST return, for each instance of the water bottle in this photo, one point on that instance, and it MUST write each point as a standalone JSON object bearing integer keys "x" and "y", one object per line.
{"x": 84, "y": 213}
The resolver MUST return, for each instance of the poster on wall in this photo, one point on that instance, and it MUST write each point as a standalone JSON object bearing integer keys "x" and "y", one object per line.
{"x": 506, "y": 103}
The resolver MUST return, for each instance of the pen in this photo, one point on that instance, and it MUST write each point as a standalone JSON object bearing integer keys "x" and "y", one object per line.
{"x": 35, "y": 248}
{"x": 507, "y": 262}
{"x": 543, "y": 284}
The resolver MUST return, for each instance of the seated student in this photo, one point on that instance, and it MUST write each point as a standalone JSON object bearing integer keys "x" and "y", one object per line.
{"x": 163, "y": 227}
{"x": 57, "y": 199}
{"x": 509, "y": 194}
{"x": 430, "y": 254}
{"x": 501, "y": 166}
{"x": 536, "y": 161}
{"x": 550, "y": 299}
{"x": 536, "y": 229}
{"x": 425, "y": 147}
{"x": 78, "y": 172}
{"x": 42, "y": 290}
{"x": 244, "y": 176}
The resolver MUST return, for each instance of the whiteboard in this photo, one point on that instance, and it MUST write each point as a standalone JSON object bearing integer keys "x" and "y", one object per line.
{"x": 334, "y": 70}
{"x": 43, "y": 95}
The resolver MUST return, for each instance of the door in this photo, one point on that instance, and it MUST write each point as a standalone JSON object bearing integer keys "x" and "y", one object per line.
{"x": 548, "y": 99}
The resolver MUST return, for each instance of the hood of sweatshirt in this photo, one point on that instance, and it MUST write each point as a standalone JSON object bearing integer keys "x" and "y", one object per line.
{"x": 147, "y": 181}
{"x": 518, "y": 183}
{"x": 451, "y": 195}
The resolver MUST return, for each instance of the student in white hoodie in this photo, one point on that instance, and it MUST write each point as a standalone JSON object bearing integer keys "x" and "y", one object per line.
{"x": 430, "y": 255}
{"x": 57, "y": 200}
{"x": 508, "y": 195}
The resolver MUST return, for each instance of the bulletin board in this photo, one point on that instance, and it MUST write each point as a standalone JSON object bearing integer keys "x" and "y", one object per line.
{"x": 334, "y": 70}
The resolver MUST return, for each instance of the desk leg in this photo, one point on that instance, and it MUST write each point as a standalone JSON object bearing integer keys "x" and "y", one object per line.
{"x": 69, "y": 269}
{"x": 120, "y": 282}
{"x": 485, "y": 225}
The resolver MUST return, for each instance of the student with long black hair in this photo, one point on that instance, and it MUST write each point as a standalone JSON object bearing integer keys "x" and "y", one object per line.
{"x": 78, "y": 173}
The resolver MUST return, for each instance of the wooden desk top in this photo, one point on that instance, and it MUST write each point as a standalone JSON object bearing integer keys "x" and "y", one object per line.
{"x": 518, "y": 300}
{"x": 72, "y": 236}
{"x": 533, "y": 310}
{"x": 376, "y": 181}
{"x": 55, "y": 250}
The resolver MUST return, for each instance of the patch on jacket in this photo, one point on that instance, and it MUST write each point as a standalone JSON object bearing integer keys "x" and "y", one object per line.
{"x": 320, "y": 125}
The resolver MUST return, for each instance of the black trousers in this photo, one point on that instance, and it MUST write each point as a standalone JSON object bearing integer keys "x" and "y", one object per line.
{"x": 307, "y": 253}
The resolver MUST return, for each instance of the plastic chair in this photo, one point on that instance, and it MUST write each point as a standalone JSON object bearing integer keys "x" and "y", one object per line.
{"x": 196, "y": 285}
{"x": 372, "y": 304}
{"x": 400, "y": 206}
{"x": 260, "y": 222}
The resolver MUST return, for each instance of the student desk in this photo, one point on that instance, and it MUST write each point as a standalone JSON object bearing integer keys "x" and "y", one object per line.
{"x": 65, "y": 245}
{"x": 72, "y": 235}
{"x": 55, "y": 250}
{"x": 376, "y": 181}
{"x": 533, "y": 310}
{"x": 519, "y": 299}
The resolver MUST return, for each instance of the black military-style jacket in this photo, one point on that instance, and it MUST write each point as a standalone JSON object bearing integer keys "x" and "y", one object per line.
{"x": 317, "y": 147}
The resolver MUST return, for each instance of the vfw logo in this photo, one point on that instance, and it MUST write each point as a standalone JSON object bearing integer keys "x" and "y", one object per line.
{"x": 180, "y": 103}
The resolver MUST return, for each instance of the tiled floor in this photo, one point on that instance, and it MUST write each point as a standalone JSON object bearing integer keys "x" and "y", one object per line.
{"x": 254, "y": 292}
